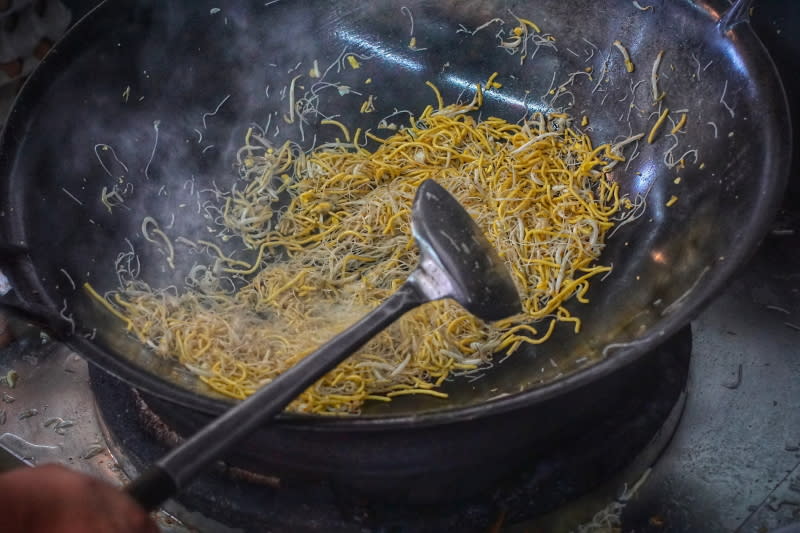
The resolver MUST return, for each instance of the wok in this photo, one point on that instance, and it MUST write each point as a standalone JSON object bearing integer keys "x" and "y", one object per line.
{"x": 173, "y": 87}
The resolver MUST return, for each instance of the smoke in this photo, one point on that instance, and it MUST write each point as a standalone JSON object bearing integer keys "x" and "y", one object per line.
{"x": 150, "y": 101}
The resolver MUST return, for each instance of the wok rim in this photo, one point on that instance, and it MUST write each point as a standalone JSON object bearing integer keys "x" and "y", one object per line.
{"x": 764, "y": 209}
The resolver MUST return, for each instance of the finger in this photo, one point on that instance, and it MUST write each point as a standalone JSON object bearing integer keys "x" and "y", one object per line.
{"x": 55, "y": 499}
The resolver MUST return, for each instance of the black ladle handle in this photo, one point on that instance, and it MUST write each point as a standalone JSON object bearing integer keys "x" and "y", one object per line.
{"x": 183, "y": 463}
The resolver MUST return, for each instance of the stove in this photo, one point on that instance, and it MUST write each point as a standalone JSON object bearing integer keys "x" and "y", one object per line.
{"x": 722, "y": 451}
{"x": 135, "y": 430}
{"x": 63, "y": 410}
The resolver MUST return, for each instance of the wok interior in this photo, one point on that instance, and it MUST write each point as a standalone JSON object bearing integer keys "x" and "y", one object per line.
{"x": 178, "y": 62}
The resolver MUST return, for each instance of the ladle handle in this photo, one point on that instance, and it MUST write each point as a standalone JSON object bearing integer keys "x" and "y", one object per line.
{"x": 183, "y": 463}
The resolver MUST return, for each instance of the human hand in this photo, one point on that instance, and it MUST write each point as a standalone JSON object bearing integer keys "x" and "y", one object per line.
{"x": 55, "y": 499}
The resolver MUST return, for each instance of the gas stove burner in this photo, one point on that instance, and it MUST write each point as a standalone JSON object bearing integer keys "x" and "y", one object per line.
{"x": 139, "y": 429}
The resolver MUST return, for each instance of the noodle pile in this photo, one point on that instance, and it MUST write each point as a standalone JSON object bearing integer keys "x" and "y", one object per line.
{"x": 538, "y": 189}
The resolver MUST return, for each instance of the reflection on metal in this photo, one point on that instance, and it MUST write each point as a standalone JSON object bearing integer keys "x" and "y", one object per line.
{"x": 659, "y": 257}
{"x": 28, "y": 452}
{"x": 5, "y": 285}
{"x": 376, "y": 48}
{"x": 520, "y": 105}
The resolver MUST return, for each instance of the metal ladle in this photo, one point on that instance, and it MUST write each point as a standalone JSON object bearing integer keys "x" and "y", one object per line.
{"x": 456, "y": 262}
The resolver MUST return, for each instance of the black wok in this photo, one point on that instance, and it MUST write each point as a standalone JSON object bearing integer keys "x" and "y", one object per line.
{"x": 173, "y": 87}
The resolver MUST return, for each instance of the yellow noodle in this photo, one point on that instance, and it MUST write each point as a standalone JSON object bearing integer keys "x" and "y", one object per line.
{"x": 539, "y": 194}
